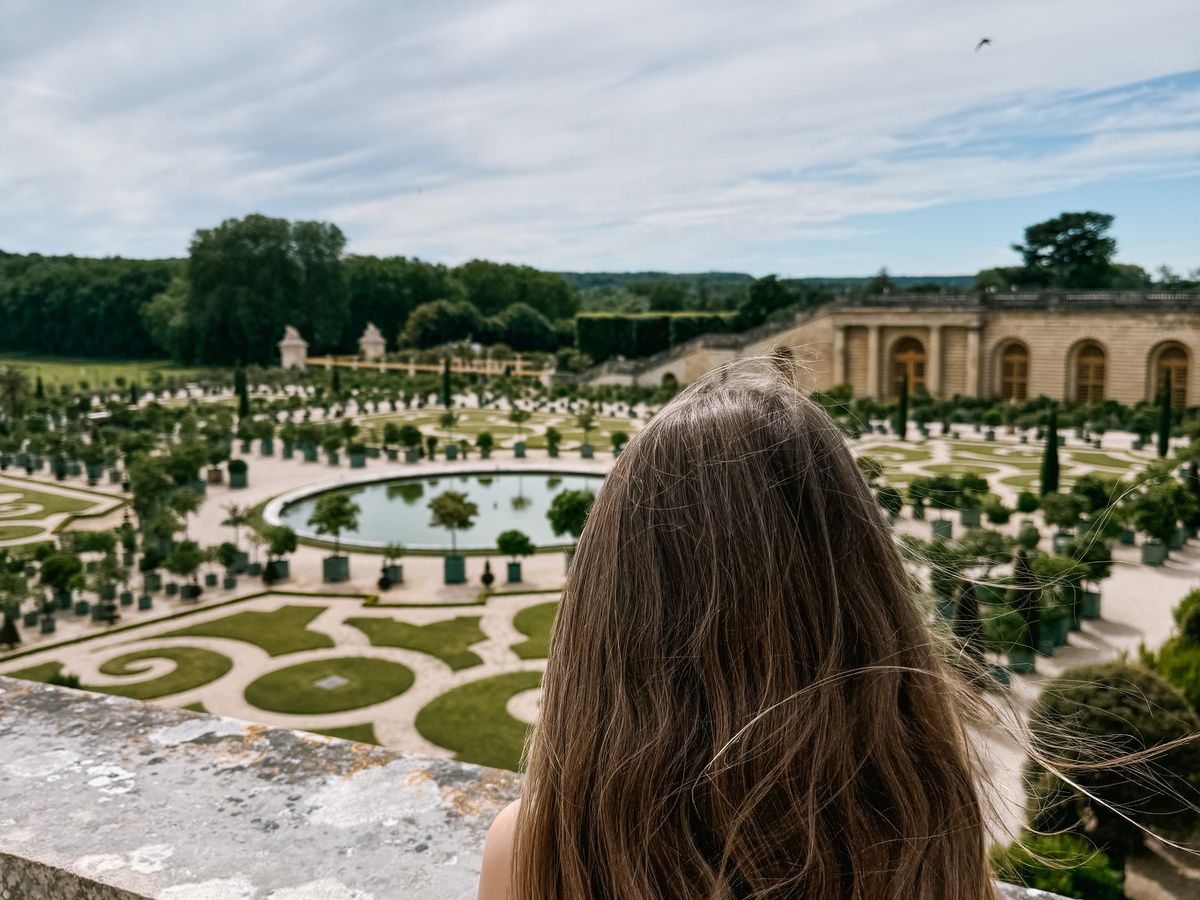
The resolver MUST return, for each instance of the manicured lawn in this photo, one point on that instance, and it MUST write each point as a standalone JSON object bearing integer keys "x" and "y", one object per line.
{"x": 360, "y": 734}
{"x": 193, "y": 667}
{"x": 960, "y": 468}
{"x": 447, "y": 640}
{"x": 197, "y": 707}
{"x": 43, "y": 673}
{"x": 56, "y": 370}
{"x": 279, "y": 632}
{"x": 17, "y": 507}
{"x": 294, "y": 689}
{"x": 473, "y": 722}
{"x": 1095, "y": 458}
{"x": 537, "y": 622}
{"x": 896, "y": 454}
{"x": 16, "y": 532}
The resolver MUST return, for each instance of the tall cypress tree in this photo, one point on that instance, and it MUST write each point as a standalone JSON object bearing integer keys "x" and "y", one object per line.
{"x": 1050, "y": 460}
{"x": 1164, "y": 417}
{"x": 902, "y": 412}
{"x": 239, "y": 388}
{"x": 39, "y": 391}
{"x": 446, "y": 383}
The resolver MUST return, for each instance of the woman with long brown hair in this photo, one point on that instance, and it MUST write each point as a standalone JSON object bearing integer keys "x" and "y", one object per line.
{"x": 742, "y": 699}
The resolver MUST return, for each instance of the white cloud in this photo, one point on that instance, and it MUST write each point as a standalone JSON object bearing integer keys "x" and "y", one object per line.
{"x": 615, "y": 135}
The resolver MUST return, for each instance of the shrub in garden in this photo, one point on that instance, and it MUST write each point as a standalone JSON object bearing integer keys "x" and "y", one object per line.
{"x": 1089, "y": 721}
{"x": 1178, "y": 659}
{"x": 995, "y": 510}
{"x": 889, "y": 498}
{"x": 1059, "y": 863}
{"x": 1027, "y": 502}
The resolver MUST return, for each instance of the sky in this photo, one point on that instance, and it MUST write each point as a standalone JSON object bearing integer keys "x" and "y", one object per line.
{"x": 800, "y": 138}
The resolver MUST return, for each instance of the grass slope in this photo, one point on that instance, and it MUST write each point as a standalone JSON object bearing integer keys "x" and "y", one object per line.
{"x": 360, "y": 734}
{"x": 447, "y": 640}
{"x": 473, "y": 722}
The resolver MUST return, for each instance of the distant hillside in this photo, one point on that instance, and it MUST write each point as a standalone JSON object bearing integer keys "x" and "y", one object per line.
{"x": 901, "y": 281}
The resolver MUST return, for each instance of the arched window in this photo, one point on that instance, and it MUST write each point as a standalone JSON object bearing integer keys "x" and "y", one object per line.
{"x": 908, "y": 360}
{"x": 1014, "y": 372}
{"x": 1174, "y": 360}
{"x": 1089, "y": 374}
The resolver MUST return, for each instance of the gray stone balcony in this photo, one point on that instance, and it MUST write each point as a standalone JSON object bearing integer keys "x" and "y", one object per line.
{"x": 103, "y": 798}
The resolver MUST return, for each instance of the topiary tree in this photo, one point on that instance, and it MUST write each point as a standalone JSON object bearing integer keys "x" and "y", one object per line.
{"x": 519, "y": 417}
{"x": 484, "y": 441}
{"x": 1159, "y": 508}
{"x": 889, "y": 499}
{"x": 1062, "y": 510}
{"x": 1178, "y": 659}
{"x": 569, "y": 510}
{"x": 409, "y": 437}
{"x": 1049, "y": 479}
{"x": 515, "y": 544}
{"x": 452, "y": 510}
{"x": 1110, "y": 711}
{"x": 334, "y": 513}
{"x": 618, "y": 439}
{"x": 553, "y": 438}
{"x": 1027, "y": 502}
{"x": 236, "y": 517}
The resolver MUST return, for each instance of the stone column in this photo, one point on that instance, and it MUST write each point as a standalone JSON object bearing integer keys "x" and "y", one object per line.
{"x": 873, "y": 362}
{"x": 839, "y": 354}
{"x": 933, "y": 362}
{"x": 972, "y": 362}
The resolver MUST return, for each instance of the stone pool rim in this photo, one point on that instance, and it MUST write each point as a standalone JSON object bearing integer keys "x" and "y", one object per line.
{"x": 271, "y": 511}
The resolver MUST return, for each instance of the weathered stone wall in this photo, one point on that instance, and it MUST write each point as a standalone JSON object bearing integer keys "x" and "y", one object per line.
{"x": 105, "y": 798}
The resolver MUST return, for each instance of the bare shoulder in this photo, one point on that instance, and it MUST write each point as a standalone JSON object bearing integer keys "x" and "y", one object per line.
{"x": 497, "y": 854}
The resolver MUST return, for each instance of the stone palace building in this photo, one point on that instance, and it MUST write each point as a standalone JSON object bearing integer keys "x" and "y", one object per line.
{"x": 1067, "y": 346}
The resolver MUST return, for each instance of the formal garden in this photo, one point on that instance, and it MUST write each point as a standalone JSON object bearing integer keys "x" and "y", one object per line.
{"x": 378, "y": 557}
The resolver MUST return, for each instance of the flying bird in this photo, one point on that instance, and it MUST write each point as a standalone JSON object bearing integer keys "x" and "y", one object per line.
{"x": 983, "y": 42}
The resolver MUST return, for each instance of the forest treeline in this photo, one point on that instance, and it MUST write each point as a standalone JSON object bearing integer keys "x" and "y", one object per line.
{"x": 246, "y": 279}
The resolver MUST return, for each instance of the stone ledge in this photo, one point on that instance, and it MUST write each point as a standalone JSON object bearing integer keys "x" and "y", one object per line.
{"x": 106, "y": 798}
{"x": 109, "y": 798}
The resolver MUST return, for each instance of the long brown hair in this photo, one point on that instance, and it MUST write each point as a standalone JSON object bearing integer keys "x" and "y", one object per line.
{"x": 742, "y": 698}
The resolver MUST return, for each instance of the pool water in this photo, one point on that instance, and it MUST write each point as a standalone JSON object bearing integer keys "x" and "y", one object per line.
{"x": 397, "y": 511}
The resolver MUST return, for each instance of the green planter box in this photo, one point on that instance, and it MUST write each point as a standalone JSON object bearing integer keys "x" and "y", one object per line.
{"x": 969, "y": 517}
{"x": 172, "y": 589}
{"x": 1023, "y": 439}
{"x": 332, "y": 457}
{"x": 1154, "y": 553}
{"x": 127, "y": 598}
{"x": 108, "y": 592}
{"x": 1177, "y": 540}
{"x": 1090, "y": 605}
{"x": 1046, "y": 643}
{"x": 310, "y": 452}
{"x": 238, "y": 479}
{"x": 392, "y": 455}
{"x": 254, "y": 569}
{"x": 266, "y": 446}
{"x": 485, "y": 452}
{"x": 82, "y": 607}
{"x": 946, "y": 607}
{"x": 519, "y": 449}
{"x": 210, "y": 580}
{"x": 278, "y": 568}
{"x": 587, "y": 451}
{"x": 145, "y": 602}
{"x": 372, "y": 453}
{"x": 31, "y": 619}
{"x": 1127, "y": 538}
{"x": 918, "y": 513}
{"x": 1061, "y": 630}
{"x": 189, "y": 592}
{"x": 454, "y": 569}
{"x": 553, "y": 451}
{"x": 412, "y": 455}
{"x": 943, "y": 528}
{"x": 451, "y": 452}
{"x": 514, "y": 573}
{"x": 288, "y": 450}
{"x": 1060, "y": 541}
{"x": 114, "y": 476}
{"x": 240, "y": 563}
{"x": 48, "y": 624}
{"x": 394, "y": 574}
{"x": 199, "y": 487}
{"x": 1062, "y": 441}
{"x": 153, "y": 582}
{"x": 336, "y": 569}
{"x": 989, "y": 435}
{"x": 229, "y": 582}
{"x": 358, "y": 460}
{"x": 100, "y": 613}
{"x": 246, "y": 445}
{"x": 127, "y": 559}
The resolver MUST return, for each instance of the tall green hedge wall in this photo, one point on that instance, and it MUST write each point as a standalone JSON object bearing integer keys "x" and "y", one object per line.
{"x": 637, "y": 335}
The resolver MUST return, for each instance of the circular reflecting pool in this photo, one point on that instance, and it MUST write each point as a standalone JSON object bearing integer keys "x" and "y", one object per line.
{"x": 397, "y": 510}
